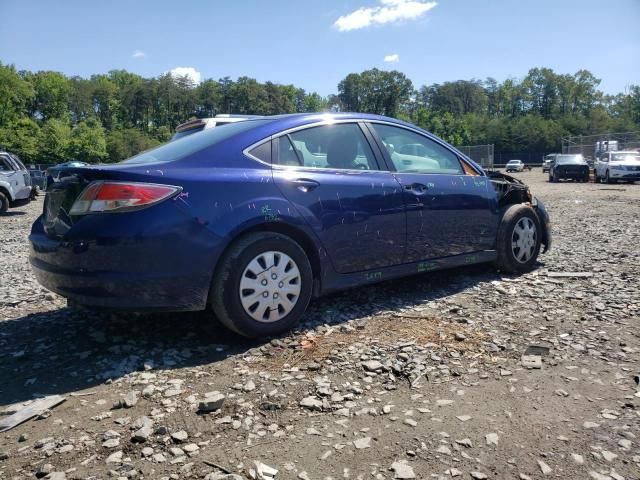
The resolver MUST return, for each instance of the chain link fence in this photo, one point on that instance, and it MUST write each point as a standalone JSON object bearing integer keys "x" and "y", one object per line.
{"x": 588, "y": 145}
{"x": 481, "y": 154}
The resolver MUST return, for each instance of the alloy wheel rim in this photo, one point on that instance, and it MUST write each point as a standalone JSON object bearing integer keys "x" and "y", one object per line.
{"x": 270, "y": 286}
{"x": 524, "y": 240}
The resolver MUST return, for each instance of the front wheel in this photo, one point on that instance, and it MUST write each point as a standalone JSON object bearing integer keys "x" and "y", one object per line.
{"x": 262, "y": 286}
{"x": 607, "y": 179}
{"x": 519, "y": 239}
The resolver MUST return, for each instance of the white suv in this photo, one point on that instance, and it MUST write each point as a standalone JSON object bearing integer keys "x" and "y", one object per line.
{"x": 15, "y": 182}
{"x": 613, "y": 166}
{"x": 200, "y": 124}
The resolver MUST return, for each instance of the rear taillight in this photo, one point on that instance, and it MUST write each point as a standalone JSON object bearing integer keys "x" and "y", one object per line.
{"x": 105, "y": 196}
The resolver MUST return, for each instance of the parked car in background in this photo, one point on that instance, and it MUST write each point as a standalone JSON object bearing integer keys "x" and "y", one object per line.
{"x": 201, "y": 124}
{"x": 38, "y": 179}
{"x": 256, "y": 218}
{"x": 55, "y": 173}
{"x": 15, "y": 182}
{"x": 569, "y": 166}
{"x": 548, "y": 161}
{"x": 617, "y": 166}
{"x": 514, "y": 166}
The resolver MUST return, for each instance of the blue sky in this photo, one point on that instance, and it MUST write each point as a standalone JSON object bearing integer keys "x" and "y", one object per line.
{"x": 314, "y": 44}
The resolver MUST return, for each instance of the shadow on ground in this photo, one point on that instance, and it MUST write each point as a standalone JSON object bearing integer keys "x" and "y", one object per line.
{"x": 63, "y": 351}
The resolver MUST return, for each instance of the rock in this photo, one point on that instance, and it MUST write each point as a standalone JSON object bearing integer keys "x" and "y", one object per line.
{"x": 478, "y": 475}
{"x": 44, "y": 470}
{"x": 361, "y": 443}
{"x": 402, "y": 470}
{"x": 372, "y": 366}
{"x": 311, "y": 403}
{"x": 129, "y": 400}
{"x": 158, "y": 458}
{"x": 465, "y": 442}
{"x": 544, "y": 468}
{"x": 249, "y": 386}
{"x": 491, "y": 439}
{"x": 223, "y": 476}
{"x": 531, "y": 361}
{"x": 463, "y": 418}
{"x": 56, "y": 476}
{"x": 115, "y": 457}
{"x": 179, "y": 436}
{"x": 577, "y": 459}
{"x": 212, "y": 401}
{"x": 410, "y": 421}
{"x": 111, "y": 443}
{"x": 144, "y": 431}
{"x": 590, "y": 425}
{"x": 609, "y": 456}
{"x": 264, "y": 472}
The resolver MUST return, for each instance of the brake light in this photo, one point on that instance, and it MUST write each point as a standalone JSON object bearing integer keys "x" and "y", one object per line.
{"x": 105, "y": 196}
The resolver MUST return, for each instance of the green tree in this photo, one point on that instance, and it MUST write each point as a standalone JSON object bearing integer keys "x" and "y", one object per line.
{"x": 375, "y": 91}
{"x": 54, "y": 140}
{"x": 88, "y": 143}
{"x": 51, "y": 98}
{"x": 22, "y": 137}
{"x": 122, "y": 144}
{"x": 15, "y": 95}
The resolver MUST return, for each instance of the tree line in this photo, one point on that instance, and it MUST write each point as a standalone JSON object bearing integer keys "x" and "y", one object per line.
{"x": 47, "y": 117}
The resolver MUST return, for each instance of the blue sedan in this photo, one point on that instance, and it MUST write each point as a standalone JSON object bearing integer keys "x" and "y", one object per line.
{"x": 254, "y": 219}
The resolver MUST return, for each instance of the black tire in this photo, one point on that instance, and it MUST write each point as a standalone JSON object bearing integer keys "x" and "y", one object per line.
{"x": 606, "y": 177}
{"x": 596, "y": 178}
{"x": 507, "y": 261}
{"x": 4, "y": 203}
{"x": 225, "y": 288}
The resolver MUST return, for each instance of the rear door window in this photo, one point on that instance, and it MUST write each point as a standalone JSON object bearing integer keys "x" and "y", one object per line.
{"x": 340, "y": 146}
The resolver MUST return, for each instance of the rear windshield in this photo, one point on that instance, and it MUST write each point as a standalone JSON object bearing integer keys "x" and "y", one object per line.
{"x": 569, "y": 159}
{"x": 190, "y": 144}
{"x": 187, "y": 132}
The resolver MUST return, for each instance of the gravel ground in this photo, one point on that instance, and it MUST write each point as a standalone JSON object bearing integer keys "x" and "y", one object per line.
{"x": 465, "y": 373}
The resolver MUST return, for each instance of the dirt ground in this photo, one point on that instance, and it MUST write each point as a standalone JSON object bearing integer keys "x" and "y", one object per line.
{"x": 418, "y": 378}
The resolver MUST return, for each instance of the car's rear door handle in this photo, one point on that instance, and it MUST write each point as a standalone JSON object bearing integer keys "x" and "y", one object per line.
{"x": 305, "y": 185}
{"x": 417, "y": 188}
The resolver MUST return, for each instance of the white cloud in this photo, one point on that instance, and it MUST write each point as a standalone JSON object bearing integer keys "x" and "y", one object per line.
{"x": 395, "y": 58}
{"x": 388, "y": 12}
{"x": 138, "y": 54}
{"x": 190, "y": 72}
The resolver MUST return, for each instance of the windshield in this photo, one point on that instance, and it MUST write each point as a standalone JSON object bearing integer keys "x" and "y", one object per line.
{"x": 514, "y": 162}
{"x": 175, "y": 150}
{"x": 625, "y": 157}
{"x": 569, "y": 159}
{"x": 188, "y": 132}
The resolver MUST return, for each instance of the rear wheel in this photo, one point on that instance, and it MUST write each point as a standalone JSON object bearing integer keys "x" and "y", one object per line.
{"x": 4, "y": 203}
{"x": 262, "y": 285}
{"x": 519, "y": 239}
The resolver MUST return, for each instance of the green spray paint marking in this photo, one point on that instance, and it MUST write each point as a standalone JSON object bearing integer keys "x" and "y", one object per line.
{"x": 269, "y": 215}
{"x": 426, "y": 266}
{"x": 373, "y": 276}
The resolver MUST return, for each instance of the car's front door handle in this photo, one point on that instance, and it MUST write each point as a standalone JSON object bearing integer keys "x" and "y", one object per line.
{"x": 305, "y": 185}
{"x": 417, "y": 188}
